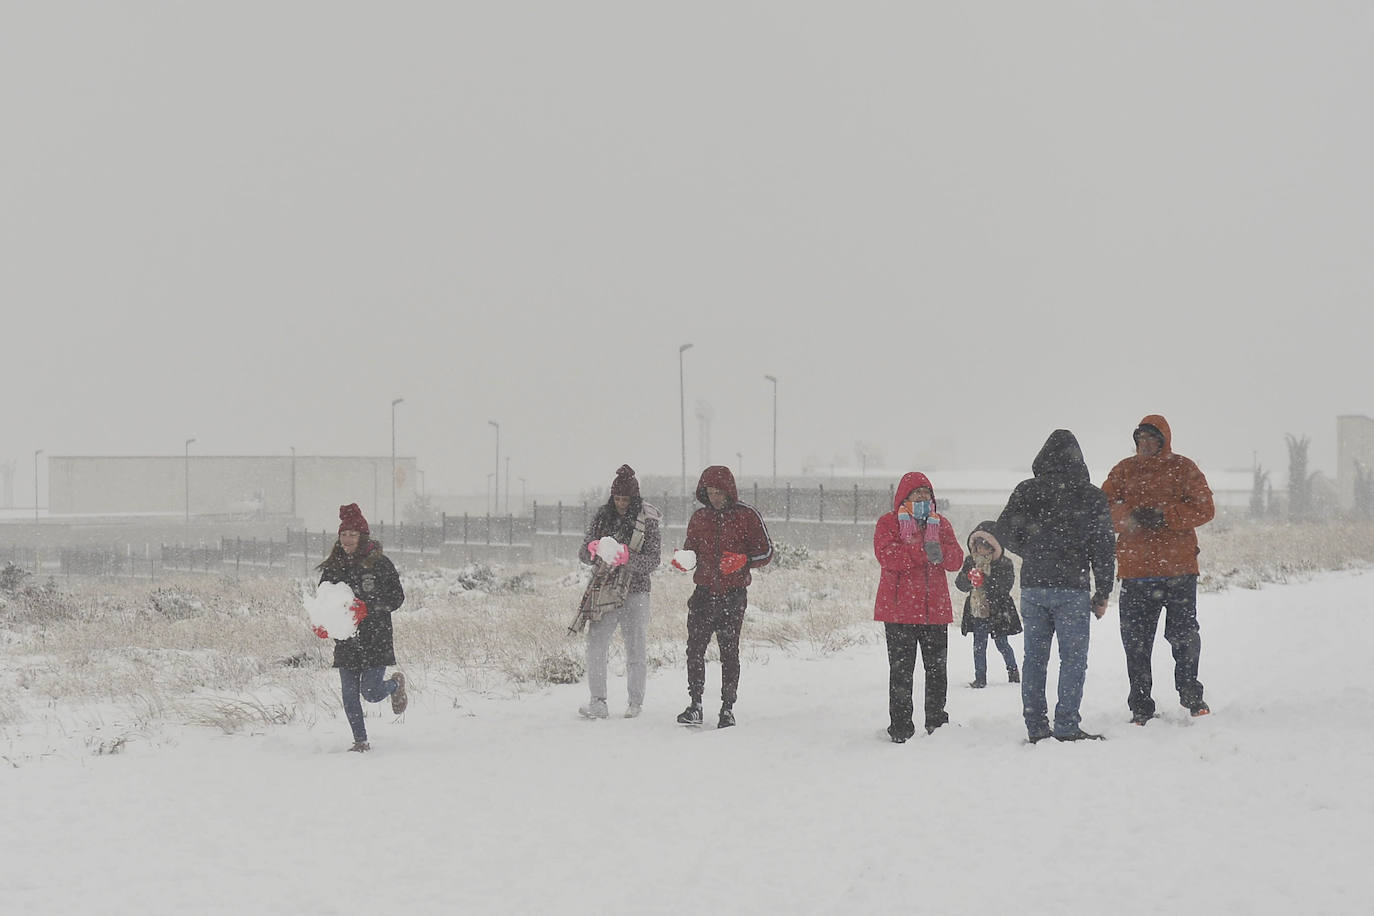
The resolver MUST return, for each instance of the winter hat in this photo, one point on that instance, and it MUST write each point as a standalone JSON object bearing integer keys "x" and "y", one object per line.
{"x": 351, "y": 519}
{"x": 625, "y": 483}
{"x": 1147, "y": 429}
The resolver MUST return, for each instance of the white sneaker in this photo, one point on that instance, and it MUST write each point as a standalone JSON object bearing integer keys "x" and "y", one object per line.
{"x": 633, "y": 710}
{"x": 596, "y": 709}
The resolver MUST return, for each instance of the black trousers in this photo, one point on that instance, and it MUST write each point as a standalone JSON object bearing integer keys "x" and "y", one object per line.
{"x": 720, "y": 615}
{"x": 1142, "y": 600}
{"x": 903, "y": 642}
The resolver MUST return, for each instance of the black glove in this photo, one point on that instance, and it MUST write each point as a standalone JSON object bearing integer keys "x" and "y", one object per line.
{"x": 934, "y": 553}
{"x": 1148, "y": 517}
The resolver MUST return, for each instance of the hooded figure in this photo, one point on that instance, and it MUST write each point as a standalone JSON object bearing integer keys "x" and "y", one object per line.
{"x": 729, "y": 539}
{"x": 916, "y": 549}
{"x": 1158, "y": 499}
{"x": 991, "y": 600}
{"x": 1059, "y": 524}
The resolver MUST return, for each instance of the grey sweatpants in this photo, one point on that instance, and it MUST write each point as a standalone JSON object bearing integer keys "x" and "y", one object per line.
{"x": 633, "y": 619}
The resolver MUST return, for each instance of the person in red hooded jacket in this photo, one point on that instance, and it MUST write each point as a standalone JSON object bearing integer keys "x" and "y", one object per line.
{"x": 729, "y": 539}
{"x": 916, "y": 549}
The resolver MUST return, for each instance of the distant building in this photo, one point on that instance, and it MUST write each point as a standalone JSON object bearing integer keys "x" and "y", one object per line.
{"x": 294, "y": 489}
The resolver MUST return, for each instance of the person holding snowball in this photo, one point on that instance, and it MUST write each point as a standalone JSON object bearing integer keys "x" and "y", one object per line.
{"x": 725, "y": 540}
{"x": 915, "y": 547}
{"x": 358, "y": 561}
{"x": 624, "y": 534}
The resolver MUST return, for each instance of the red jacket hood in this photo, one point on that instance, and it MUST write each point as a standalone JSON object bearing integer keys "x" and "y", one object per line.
{"x": 910, "y": 481}
{"x": 718, "y": 476}
{"x": 1162, "y": 425}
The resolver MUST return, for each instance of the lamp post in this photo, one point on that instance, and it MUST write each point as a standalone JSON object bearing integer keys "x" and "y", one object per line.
{"x": 187, "y": 474}
{"x": 489, "y": 508}
{"x": 36, "y": 453}
{"x": 774, "y": 380}
{"x": 508, "y": 484}
{"x": 393, "y": 460}
{"x": 522, "y": 496}
{"x": 682, "y": 413}
{"x": 496, "y": 485}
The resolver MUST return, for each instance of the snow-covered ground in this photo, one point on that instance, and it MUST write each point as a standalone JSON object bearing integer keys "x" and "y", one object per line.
{"x": 515, "y": 805}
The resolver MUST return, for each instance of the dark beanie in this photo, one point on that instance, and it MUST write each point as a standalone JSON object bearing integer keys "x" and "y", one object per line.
{"x": 351, "y": 519}
{"x": 625, "y": 483}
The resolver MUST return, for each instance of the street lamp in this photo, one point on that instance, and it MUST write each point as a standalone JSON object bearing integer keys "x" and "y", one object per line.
{"x": 774, "y": 380}
{"x": 682, "y": 413}
{"x": 489, "y": 508}
{"x": 522, "y": 496}
{"x": 496, "y": 495}
{"x": 393, "y": 460}
{"x": 187, "y": 474}
{"x": 35, "y": 484}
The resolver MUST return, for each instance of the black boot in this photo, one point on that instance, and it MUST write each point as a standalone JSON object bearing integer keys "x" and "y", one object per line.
{"x": 1013, "y": 676}
{"x": 727, "y": 717}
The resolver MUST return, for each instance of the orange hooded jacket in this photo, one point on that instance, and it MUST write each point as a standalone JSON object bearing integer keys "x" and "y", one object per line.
{"x": 1175, "y": 486}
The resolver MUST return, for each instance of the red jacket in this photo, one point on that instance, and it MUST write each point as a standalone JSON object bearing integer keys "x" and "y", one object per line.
{"x": 911, "y": 588}
{"x": 1174, "y": 485}
{"x": 737, "y": 528}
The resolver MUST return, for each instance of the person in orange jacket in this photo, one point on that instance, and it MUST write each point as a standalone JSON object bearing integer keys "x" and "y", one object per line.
{"x": 1158, "y": 499}
{"x": 726, "y": 539}
{"x": 916, "y": 548}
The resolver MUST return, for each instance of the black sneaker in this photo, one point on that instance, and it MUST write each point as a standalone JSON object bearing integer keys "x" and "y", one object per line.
{"x": 1078, "y": 735}
{"x": 978, "y": 683}
{"x": 1141, "y": 718}
{"x": 690, "y": 716}
{"x": 1198, "y": 709}
{"x": 901, "y": 735}
{"x": 1013, "y": 676}
{"x": 360, "y": 747}
{"x": 932, "y": 724}
{"x": 897, "y": 739}
{"x": 727, "y": 717}
{"x": 1036, "y": 739}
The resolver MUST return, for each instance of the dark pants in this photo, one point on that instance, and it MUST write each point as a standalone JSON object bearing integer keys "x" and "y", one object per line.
{"x": 1141, "y": 603}
{"x": 720, "y": 615}
{"x": 362, "y": 684}
{"x": 903, "y": 641}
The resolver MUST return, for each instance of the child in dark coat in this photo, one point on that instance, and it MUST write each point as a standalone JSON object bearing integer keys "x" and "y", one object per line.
{"x": 988, "y": 576}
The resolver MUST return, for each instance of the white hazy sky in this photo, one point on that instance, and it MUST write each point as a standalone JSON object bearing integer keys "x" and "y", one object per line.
{"x": 947, "y": 228}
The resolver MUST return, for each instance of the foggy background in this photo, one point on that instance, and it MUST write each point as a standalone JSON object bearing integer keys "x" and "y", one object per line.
{"x": 945, "y": 230}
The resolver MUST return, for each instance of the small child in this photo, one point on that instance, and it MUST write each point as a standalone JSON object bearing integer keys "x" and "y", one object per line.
{"x": 987, "y": 575}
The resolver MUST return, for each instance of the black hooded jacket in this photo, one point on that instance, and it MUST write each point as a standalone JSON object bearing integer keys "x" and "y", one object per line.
{"x": 1059, "y": 523}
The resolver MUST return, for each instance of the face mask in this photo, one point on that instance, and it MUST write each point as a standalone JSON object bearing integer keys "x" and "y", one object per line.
{"x": 917, "y": 509}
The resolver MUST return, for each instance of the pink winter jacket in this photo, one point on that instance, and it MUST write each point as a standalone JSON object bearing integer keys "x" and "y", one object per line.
{"x": 912, "y": 589}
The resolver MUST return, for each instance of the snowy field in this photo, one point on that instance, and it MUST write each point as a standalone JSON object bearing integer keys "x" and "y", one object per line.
{"x": 488, "y": 800}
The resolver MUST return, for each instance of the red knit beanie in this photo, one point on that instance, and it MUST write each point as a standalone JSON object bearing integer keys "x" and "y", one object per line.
{"x": 625, "y": 483}
{"x": 351, "y": 519}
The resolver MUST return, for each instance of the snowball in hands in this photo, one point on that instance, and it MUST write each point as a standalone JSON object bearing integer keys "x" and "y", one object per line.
{"x": 685, "y": 560}
{"x": 330, "y": 609}
{"x": 608, "y": 549}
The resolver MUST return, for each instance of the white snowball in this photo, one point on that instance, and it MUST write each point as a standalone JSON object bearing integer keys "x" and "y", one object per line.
{"x": 328, "y": 608}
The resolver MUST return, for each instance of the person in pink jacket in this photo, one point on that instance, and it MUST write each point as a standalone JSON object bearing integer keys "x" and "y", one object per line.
{"x": 916, "y": 549}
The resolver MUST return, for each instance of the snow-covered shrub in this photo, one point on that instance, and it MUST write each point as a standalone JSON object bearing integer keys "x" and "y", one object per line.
{"x": 560, "y": 668}
{"x": 789, "y": 556}
{"x": 174, "y": 604}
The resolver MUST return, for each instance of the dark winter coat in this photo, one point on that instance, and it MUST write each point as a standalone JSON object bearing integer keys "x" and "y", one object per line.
{"x": 1172, "y": 484}
{"x": 1058, "y": 522}
{"x": 374, "y": 580}
{"x": 997, "y": 585}
{"x": 911, "y": 589}
{"x": 738, "y": 528}
{"x": 609, "y": 523}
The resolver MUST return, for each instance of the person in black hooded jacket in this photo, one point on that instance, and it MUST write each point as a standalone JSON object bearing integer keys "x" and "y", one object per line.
{"x": 989, "y": 610}
{"x": 1061, "y": 527}
{"x": 362, "y": 659}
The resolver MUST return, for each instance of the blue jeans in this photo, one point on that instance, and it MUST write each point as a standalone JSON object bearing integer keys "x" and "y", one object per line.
{"x": 1141, "y": 603}
{"x": 1046, "y": 612}
{"x": 362, "y": 684}
{"x": 982, "y": 628}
